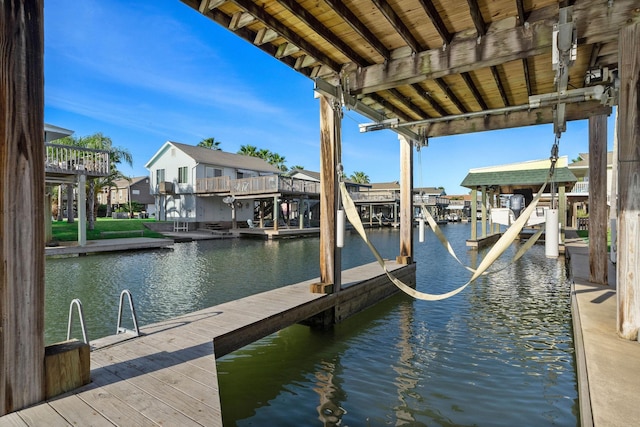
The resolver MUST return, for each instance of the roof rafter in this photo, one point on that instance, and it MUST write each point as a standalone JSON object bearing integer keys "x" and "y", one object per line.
{"x": 527, "y": 77}
{"x": 357, "y": 25}
{"x": 522, "y": 13}
{"x": 496, "y": 78}
{"x": 407, "y": 103}
{"x": 429, "y": 99}
{"x": 452, "y": 96}
{"x": 387, "y": 104}
{"x": 286, "y": 33}
{"x": 398, "y": 25}
{"x": 436, "y": 20}
{"x": 474, "y": 90}
{"x": 476, "y": 16}
{"x": 303, "y": 15}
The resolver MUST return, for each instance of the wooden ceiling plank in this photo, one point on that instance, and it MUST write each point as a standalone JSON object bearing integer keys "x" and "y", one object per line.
{"x": 398, "y": 24}
{"x": 407, "y": 103}
{"x": 538, "y": 116}
{"x": 286, "y": 33}
{"x": 436, "y": 20}
{"x": 496, "y": 78}
{"x": 595, "y": 52}
{"x": 429, "y": 99}
{"x": 452, "y": 96}
{"x": 312, "y": 22}
{"x": 476, "y": 16}
{"x": 357, "y": 25}
{"x": 474, "y": 90}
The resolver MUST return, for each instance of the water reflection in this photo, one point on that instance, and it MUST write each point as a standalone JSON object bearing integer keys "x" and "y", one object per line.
{"x": 499, "y": 353}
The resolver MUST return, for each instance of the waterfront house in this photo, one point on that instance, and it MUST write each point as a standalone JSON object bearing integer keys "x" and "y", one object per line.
{"x": 135, "y": 190}
{"x": 201, "y": 185}
{"x": 578, "y": 197}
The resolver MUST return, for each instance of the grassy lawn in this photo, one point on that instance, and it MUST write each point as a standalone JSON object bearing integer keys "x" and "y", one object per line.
{"x": 66, "y": 232}
{"x": 584, "y": 234}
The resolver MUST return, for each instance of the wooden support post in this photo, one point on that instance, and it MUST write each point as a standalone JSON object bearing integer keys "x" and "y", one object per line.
{"x": 474, "y": 214}
{"x": 329, "y": 254}
{"x": 628, "y": 265}
{"x": 261, "y": 208}
{"x": 82, "y": 210}
{"x": 483, "y": 205}
{"x": 70, "y": 217}
{"x": 276, "y": 213}
{"x": 406, "y": 201}
{"x": 598, "y": 218}
{"x": 21, "y": 205}
{"x": 67, "y": 366}
{"x": 562, "y": 209}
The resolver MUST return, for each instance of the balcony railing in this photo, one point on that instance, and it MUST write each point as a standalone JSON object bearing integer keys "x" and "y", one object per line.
{"x": 430, "y": 200}
{"x": 256, "y": 185}
{"x": 374, "y": 196}
{"x": 581, "y": 187}
{"x": 70, "y": 160}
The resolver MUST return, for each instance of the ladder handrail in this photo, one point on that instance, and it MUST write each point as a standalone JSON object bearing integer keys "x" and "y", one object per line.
{"x": 76, "y": 302}
{"x": 119, "y": 328}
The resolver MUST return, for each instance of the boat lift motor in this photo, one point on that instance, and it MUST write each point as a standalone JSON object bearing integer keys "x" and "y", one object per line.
{"x": 516, "y": 204}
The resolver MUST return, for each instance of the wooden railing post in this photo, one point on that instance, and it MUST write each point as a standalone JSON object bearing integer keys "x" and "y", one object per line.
{"x": 598, "y": 220}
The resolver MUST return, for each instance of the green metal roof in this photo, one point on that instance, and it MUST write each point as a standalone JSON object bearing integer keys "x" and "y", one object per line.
{"x": 517, "y": 177}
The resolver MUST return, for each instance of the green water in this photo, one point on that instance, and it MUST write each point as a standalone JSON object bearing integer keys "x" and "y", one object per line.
{"x": 498, "y": 354}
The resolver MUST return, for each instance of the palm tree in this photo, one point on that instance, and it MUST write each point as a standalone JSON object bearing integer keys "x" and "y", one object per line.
{"x": 296, "y": 168}
{"x": 359, "y": 177}
{"x": 248, "y": 150}
{"x": 264, "y": 154}
{"x": 117, "y": 155}
{"x": 278, "y": 161}
{"x": 210, "y": 143}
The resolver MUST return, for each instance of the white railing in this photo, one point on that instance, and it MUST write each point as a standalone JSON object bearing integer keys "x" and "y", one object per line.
{"x": 374, "y": 196}
{"x": 256, "y": 185}
{"x": 67, "y": 159}
{"x": 430, "y": 200}
{"x": 581, "y": 187}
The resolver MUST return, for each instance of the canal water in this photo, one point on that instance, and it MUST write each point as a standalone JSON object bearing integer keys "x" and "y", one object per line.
{"x": 500, "y": 353}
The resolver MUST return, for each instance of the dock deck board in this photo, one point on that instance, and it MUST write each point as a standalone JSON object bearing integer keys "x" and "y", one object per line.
{"x": 168, "y": 375}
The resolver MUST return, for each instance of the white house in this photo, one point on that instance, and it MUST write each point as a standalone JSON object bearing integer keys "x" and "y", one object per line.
{"x": 196, "y": 184}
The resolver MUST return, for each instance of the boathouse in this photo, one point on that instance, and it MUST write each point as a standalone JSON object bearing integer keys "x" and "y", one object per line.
{"x": 422, "y": 69}
{"x": 492, "y": 187}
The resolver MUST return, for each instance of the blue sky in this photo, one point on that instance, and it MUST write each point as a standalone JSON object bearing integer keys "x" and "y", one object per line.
{"x": 145, "y": 72}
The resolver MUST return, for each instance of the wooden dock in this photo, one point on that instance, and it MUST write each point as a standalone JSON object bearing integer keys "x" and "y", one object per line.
{"x": 168, "y": 375}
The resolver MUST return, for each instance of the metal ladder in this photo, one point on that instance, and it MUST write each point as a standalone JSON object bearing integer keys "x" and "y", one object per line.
{"x": 76, "y": 302}
{"x": 119, "y": 329}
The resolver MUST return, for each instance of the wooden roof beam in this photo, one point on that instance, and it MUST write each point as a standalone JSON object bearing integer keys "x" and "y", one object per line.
{"x": 437, "y": 22}
{"x": 503, "y": 93}
{"x": 357, "y": 25}
{"x": 474, "y": 90}
{"x": 465, "y": 54}
{"x": 476, "y": 16}
{"x": 206, "y": 5}
{"x": 537, "y": 116}
{"x": 390, "y": 107}
{"x": 286, "y": 33}
{"x": 312, "y": 22}
{"x": 429, "y": 99}
{"x": 398, "y": 24}
{"x": 452, "y": 96}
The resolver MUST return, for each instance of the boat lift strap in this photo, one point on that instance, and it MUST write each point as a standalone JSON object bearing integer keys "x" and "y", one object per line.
{"x": 498, "y": 249}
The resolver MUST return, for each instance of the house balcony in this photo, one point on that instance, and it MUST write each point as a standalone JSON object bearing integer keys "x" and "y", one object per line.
{"x": 259, "y": 185}
{"x": 428, "y": 200}
{"x": 580, "y": 188}
{"x": 375, "y": 196}
{"x": 64, "y": 162}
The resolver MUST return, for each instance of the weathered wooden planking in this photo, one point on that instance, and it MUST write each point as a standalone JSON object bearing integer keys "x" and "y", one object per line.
{"x": 78, "y": 413}
{"x": 160, "y": 387}
{"x": 13, "y": 420}
{"x": 141, "y": 401}
{"x": 42, "y": 415}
